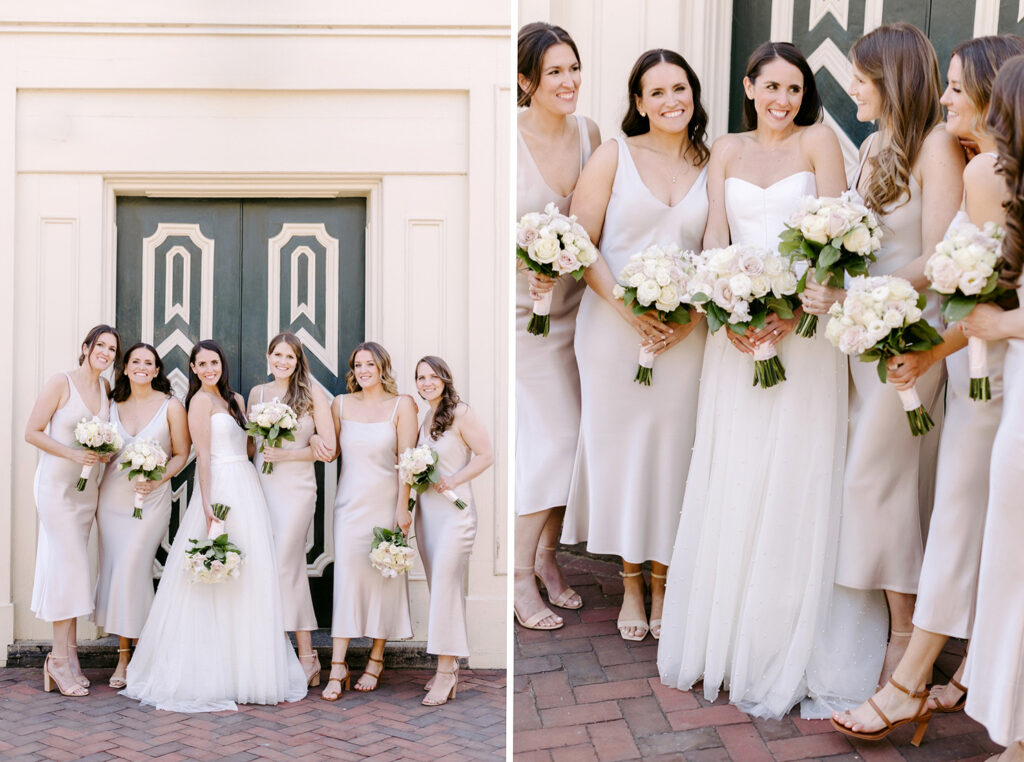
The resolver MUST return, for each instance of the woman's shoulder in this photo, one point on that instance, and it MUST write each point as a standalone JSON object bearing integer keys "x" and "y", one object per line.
{"x": 174, "y": 404}
{"x": 818, "y": 135}
{"x": 406, "y": 402}
{"x": 982, "y": 170}
{"x": 592, "y": 130}
{"x": 940, "y": 144}
{"x": 727, "y": 146}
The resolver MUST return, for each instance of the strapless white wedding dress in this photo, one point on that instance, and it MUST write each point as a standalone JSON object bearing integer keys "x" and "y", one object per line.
{"x": 751, "y": 606}
{"x": 205, "y": 647}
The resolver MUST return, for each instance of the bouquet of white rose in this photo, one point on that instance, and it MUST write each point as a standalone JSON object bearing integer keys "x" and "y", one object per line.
{"x": 835, "y": 236}
{"x": 417, "y": 467}
{"x": 881, "y": 318}
{"x": 215, "y": 559}
{"x": 657, "y": 279}
{"x": 390, "y": 553}
{"x": 965, "y": 270}
{"x": 100, "y": 437}
{"x": 271, "y": 422}
{"x": 552, "y": 244}
{"x": 739, "y": 286}
{"x": 143, "y": 459}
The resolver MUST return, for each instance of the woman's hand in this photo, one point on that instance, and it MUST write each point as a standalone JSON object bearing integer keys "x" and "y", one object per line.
{"x": 83, "y": 456}
{"x": 403, "y": 519}
{"x": 679, "y": 332}
{"x": 985, "y": 321}
{"x": 105, "y": 457}
{"x": 208, "y": 513}
{"x": 740, "y": 341}
{"x": 446, "y": 483}
{"x": 275, "y": 454}
{"x": 651, "y": 329}
{"x": 321, "y": 450}
{"x": 816, "y": 298}
{"x": 904, "y": 370}
{"x": 774, "y": 330}
{"x": 144, "y": 486}
{"x": 539, "y": 284}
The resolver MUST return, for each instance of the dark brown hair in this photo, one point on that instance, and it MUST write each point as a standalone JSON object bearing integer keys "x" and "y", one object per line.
{"x": 635, "y": 124}
{"x": 444, "y": 416}
{"x": 223, "y": 383}
{"x": 900, "y": 61}
{"x": 1006, "y": 125}
{"x": 300, "y": 390}
{"x": 123, "y": 386}
{"x": 89, "y": 342}
{"x": 534, "y": 41}
{"x": 383, "y": 360}
{"x": 810, "y": 105}
{"x": 980, "y": 59}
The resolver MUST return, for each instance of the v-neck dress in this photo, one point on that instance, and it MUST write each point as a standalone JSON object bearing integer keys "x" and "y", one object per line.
{"x": 635, "y": 441}
{"x": 124, "y": 590}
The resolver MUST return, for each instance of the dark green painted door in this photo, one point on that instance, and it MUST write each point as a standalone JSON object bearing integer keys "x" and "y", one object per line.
{"x": 240, "y": 271}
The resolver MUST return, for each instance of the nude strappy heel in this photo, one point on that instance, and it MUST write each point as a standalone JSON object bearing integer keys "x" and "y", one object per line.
{"x": 532, "y": 622}
{"x": 922, "y": 718}
{"x": 115, "y": 681}
{"x": 624, "y": 624}
{"x": 562, "y": 601}
{"x": 50, "y": 680}
{"x": 83, "y": 680}
{"x": 344, "y": 683}
{"x": 451, "y": 694}
{"x": 656, "y": 623}
{"x": 313, "y": 678}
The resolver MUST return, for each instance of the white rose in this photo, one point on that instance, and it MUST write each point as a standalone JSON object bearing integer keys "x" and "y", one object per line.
{"x": 784, "y": 283}
{"x": 669, "y": 298}
{"x": 851, "y": 340}
{"x": 892, "y": 319}
{"x": 722, "y": 294}
{"x": 740, "y": 285}
{"x": 942, "y": 273}
{"x": 774, "y": 265}
{"x": 858, "y": 240}
{"x": 901, "y": 289}
{"x": 648, "y": 292}
{"x": 760, "y": 285}
{"x": 751, "y": 264}
{"x": 813, "y": 229}
{"x": 971, "y": 283}
{"x": 545, "y": 249}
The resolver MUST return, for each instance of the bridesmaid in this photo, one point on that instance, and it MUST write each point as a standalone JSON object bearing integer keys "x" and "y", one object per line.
{"x": 290, "y": 488}
{"x": 62, "y": 590}
{"x": 444, "y": 533}
{"x": 995, "y": 664}
{"x": 649, "y": 187}
{"x": 553, "y": 145}
{"x": 142, "y": 408}
{"x": 374, "y": 424}
{"x": 910, "y": 164}
{"x": 949, "y": 575}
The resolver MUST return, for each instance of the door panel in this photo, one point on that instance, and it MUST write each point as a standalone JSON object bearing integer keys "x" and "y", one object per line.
{"x": 241, "y": 271}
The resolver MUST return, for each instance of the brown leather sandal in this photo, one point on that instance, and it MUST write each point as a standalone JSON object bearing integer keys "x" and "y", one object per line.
{"x": 344, "y": 683}
{"x": 922, "y": 718}
{"x": 947, "y": 709}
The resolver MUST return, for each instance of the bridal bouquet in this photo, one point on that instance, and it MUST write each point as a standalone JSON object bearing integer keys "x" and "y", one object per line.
{"x": 100, "y": 437}
{"x": 741, "y": 285}
{"x": 835, "y": 236}
{"x": 965, "y": 270}
{"x": 215, "y": 559}
{"x": 657, "y": 279}
{"x": 143, "y": 459}
{"x": 271, "y": 422}
{"x": 552, "y": 244}
{"x": 417, "y": 467}
{"x": 390, "y": 553}
{"x": 881, "y": 318}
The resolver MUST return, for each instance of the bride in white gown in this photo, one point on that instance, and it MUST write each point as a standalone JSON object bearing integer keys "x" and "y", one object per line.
{"x": 750, "y": 604}
{"x": 207, "y": 646}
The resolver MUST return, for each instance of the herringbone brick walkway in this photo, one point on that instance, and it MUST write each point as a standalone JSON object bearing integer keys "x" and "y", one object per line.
{"x": 582, "y": 693}
{"x": 387, "y": 724}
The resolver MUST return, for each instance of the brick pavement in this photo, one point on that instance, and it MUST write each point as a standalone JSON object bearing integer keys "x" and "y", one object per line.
{"x": 387, "y": 724}
{"x": 582, "y": 693}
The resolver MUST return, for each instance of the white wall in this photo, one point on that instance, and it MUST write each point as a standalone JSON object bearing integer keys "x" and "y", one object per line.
{"x": 403, "y": 102}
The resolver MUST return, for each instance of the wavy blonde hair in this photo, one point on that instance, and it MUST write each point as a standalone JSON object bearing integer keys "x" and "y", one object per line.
{"x": 980, "y": 59}
{"x": 1006, "y": 125}
{"x": 300, "y": 389}
{"x": 901, "y": 62}
{"x": 383, "y": 361}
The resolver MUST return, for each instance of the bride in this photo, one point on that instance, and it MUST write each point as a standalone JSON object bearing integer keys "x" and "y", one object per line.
{"x": 750, "y": 583}
{"x": 206, "y": 646}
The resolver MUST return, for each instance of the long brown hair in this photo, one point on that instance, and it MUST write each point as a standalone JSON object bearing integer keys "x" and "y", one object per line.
{"x": 534, "y": 41}
{"x": 223, "y": 383}
{"x": 1006, "y": 125}
{"x": 89, "y": 342}
{"x": 901, "y": 62}
{"x": 444, "y": 416}
{"x": 635, "y": 124}
{"x": 383, "y": 361}
{"x": 980, "y": 59}
{"x": 123, "y": 387}
{"x": 299, "y": 396}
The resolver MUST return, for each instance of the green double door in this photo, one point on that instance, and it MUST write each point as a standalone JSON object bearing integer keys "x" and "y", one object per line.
{"x": 818, "y": 25}
{"x": 240, "y": 271}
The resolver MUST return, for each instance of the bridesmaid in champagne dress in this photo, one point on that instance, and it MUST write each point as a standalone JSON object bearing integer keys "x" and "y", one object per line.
{"x": 62, "y": 590}
{"x": 290, "y": 488}
{"x": 142, "y": 408}
{"x": 949, "y": 574}
{"x": 889, "y": 473}
{"x": 553, "y": 144}
{"x": 445, "y": 534}
{"x": 995, "y": 664}
{"x": 635, "y": 441}
{"x": 374, "y": 423}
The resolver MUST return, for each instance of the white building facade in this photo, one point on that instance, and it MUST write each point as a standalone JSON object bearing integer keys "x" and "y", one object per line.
{"x": 233, "y": 169}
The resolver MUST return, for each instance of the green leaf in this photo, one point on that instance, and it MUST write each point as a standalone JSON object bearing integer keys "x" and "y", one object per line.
{"x": 780, "y": 306}
{"x": 680, "y": 315}
{"x": 956, "y": 307}
{"x": 829, "y": 256}
{"x": 883, "y": 373}
{"x": 802, "y": 283}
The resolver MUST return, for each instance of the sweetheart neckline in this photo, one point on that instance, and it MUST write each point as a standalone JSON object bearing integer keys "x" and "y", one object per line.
{"x": 777, "y": 182}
